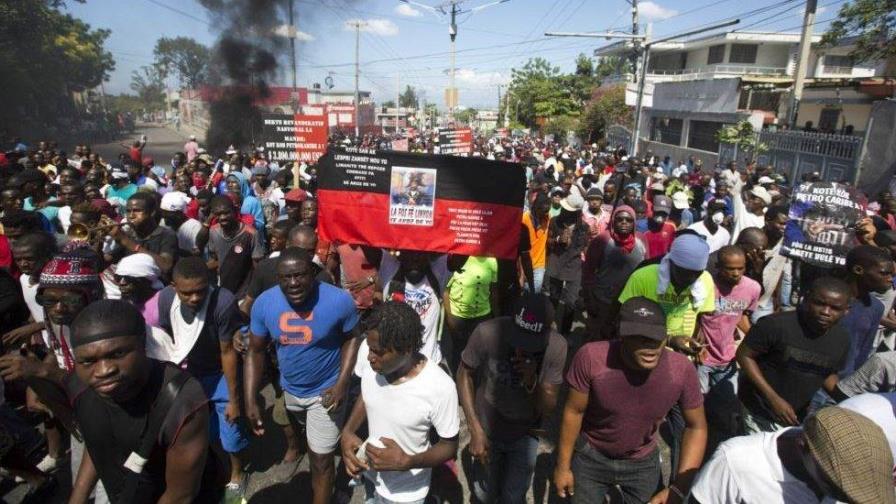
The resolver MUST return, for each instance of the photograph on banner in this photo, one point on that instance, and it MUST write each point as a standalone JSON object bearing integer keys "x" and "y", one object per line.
{"x": 420, "y": 202}
{"x": 821, "y": 228}
{"x": 412, "y": 196}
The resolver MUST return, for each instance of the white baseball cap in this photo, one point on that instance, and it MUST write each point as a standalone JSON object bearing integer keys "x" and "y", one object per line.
{"x": 680, "y": 200}
{"x": 174, "y": 201}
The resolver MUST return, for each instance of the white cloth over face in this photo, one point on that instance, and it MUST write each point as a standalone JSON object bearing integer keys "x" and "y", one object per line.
{"x": 140, "y": 266}
{"x": 177, "y": 347}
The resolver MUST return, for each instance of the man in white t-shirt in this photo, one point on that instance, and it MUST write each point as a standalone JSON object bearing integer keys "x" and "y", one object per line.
{"x": 418, "y": 279}
{"x": 838, "y": 454}
{"x": 173, "y": 205}
{"x": 31, "y": 252}
{"x": 404, "y": 395}
{"x": 711, "y": 226}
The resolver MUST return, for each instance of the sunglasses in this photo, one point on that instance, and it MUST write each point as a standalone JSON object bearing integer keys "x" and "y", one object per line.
{"x": 67, "y": 300}
{"x": 122, "y": 279}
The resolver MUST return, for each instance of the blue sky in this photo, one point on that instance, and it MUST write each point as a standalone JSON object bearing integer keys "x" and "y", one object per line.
{"x": 408, "y": 43}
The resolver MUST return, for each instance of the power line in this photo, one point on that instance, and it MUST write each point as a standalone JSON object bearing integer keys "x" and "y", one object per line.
{"x": 181, "y": 12}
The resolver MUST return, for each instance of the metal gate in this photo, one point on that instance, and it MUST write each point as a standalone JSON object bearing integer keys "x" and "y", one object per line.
{"x": 793, "y": 153}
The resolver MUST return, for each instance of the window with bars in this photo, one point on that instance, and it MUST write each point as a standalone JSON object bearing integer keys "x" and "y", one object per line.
{"x": 838, "y": 64}
{"x": 702, "y": 135}
{"x": 743, "y": 53}
{"x": 716, "y": 54}
{"x": 666, "y": 130}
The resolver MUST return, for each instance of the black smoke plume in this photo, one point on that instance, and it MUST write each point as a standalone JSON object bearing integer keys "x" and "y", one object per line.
{"x": 244, "y": 62}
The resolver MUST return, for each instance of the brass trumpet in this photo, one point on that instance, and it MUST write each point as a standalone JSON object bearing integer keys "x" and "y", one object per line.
{"x": 82, "y": 232}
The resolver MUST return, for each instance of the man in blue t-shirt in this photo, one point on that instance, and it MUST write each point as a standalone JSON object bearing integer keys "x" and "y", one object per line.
{"x": 314, "y": 328}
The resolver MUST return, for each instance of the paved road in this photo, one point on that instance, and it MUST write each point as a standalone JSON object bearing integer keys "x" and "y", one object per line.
{"x": 162, "y": 143}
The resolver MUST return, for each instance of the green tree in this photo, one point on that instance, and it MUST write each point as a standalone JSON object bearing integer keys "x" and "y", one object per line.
{"x": 612, "y": 65}
{"x": 605, "y": 110}
{"x": 540, "y": 93}
{"x": 46, "y": 56}
{"x": 408, "y": 98}
{"x": 872, "y": 22}
{"x": 147, "y": 83}
{"x": 744, "y": 137}
{"x": 466, "y": 115}
{"x": 388, "y": 104}
{"x": 184, "y": 58}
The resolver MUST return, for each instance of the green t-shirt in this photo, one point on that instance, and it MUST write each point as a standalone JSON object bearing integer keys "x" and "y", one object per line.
{"x": 681, "y": 313}
{"x": 470, "y": 288}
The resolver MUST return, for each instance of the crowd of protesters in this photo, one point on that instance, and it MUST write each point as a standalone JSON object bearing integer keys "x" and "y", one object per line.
{"x": 145, "y": 307}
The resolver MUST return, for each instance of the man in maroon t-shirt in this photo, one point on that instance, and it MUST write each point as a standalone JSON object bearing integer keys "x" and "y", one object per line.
{"x": 619, "y": 392}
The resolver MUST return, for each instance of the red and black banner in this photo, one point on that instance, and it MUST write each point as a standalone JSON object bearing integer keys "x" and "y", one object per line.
{"x": 456, "y": 141}
{"x": 398, "y": 200}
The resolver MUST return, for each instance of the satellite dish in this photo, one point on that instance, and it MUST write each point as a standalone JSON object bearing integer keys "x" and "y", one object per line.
{"x": 329, "y": 82}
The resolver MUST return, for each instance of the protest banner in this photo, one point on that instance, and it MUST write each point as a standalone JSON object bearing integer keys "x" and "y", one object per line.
{"x": 456, "y": 141}
{"x": 288, "y": 137}
{"x": 407, "y": 201}
{"x": 822, "y": 223}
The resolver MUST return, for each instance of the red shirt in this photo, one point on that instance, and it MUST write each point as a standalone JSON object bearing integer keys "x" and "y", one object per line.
{"x": 659, "y": 242}
{"x": 623, "y": 415}
{"x": 135, "y": 155}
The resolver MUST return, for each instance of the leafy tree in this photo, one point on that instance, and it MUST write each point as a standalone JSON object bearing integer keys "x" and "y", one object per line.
{"x": 183, "y": 57}
{"x": 539, "y": 92}
{"x": 388, "y": 104}
{"x": 408, "y": 98}
{"x": 742, "y": 136}
{"x": 605, "y": 110}
{"x": 46, "y": 55}
{"x": 466, "y": 115}
{"x": 612, "y": 65}
{"x": 149, "y": 86}
{"x": 872, "y": 22}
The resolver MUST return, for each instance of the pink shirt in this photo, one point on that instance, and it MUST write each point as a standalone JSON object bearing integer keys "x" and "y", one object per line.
{"x": 150, "y": 310}
{"x": 719, "y": 326}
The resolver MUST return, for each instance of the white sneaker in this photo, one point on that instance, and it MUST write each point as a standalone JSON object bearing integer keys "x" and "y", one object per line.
{"x": 48, "y": 464}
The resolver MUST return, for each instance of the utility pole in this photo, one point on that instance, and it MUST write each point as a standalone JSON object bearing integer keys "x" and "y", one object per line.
{"x": 635, "y": 29}
{"x": 357, "y": 25}
{"x": 397, "y": 99}
{"x": 499, "y": 103}
{"x": 799, "y": 78}
{"x": 646, "y": 43}
{"x": 451, "y": 95}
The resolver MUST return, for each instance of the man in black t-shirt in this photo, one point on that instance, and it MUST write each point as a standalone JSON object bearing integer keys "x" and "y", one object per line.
{"x": 114, "y": 392}
{"x": 786, "y": 357}
{"x": 145, "y": 233}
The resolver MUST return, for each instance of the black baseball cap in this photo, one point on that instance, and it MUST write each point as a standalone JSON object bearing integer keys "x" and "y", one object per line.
{"x": 662, "y": 204}
{"x": 640, "y": 316}
{"x": 532, "y": 318}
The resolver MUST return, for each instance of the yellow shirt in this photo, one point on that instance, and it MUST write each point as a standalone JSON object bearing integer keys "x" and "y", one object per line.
{"x": 681, "y": 313}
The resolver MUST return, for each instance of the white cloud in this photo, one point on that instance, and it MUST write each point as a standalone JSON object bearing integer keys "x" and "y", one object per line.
{"x": 382, "y": 27}
{"x": 472, "y": 77}
{"x": 284, "y": 30}
{"x": 407, "y": 11}
{"x": 655, "y": 11}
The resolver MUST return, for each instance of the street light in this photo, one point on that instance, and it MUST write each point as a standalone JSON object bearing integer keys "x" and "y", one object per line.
{"x": 451, "y": 7}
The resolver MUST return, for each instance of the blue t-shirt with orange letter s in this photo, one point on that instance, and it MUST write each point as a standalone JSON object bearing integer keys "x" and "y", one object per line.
{"x": 308, "y": 338}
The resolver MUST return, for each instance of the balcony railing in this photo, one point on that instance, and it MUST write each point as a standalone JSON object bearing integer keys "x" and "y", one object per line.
{"x": 704, "y": 72}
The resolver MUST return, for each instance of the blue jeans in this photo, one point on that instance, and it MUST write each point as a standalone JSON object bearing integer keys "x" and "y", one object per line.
{"x": 508, "y": 476}
{"x": 538, "y": 278}
{"x": 595, "y": 473}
